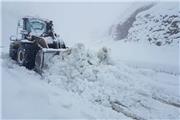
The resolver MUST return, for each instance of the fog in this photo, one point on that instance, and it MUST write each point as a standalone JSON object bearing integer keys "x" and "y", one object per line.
{"x": 73, "y": 21}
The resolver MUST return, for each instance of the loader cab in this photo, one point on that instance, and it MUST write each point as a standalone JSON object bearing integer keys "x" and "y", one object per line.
{"x": 34, "y": 26}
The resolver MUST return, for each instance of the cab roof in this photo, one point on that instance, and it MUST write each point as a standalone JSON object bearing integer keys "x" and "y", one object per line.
{"x": 33, "y": 17}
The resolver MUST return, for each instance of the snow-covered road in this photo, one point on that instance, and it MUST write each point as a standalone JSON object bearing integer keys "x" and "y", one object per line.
{"x": 85, "y": 86}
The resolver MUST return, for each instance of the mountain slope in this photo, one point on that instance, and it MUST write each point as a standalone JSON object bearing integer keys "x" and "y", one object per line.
{"x": 120, "y": 30}
{"x": 159, "y": 25}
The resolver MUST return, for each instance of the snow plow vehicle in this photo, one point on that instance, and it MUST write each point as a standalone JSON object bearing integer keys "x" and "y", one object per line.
{"x": 35, "y": 43}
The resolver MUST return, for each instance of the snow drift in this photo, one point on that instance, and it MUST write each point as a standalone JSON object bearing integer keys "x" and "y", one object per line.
{"x": 27, "y": 95}
{"x": 93, "y": 79}
{"x": 96, "y": 77}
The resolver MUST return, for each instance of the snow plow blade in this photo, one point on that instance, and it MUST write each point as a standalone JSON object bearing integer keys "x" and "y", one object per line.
{"x": 44, "y": 56}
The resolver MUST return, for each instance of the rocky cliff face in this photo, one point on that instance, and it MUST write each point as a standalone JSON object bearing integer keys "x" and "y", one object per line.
{"x": 158, "y": 24}
{"x": 120, "y": 30}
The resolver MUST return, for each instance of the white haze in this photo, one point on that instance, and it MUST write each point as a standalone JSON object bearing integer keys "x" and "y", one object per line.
{"x": 75, "y": 22}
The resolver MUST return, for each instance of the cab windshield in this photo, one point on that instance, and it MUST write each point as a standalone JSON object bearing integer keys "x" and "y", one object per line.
{"x": 37, "y": 27}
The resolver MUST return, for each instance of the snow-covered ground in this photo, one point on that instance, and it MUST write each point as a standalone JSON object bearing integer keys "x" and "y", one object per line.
{"x": 164, "y": 58}
{"x": 26, "y": 95}
{"x": 83, "y": 85}
{"x": 101, "y": 78}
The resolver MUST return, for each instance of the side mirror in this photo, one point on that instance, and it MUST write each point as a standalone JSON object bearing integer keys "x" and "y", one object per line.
{"x": 13, "y": 38}
{"x": 24, "y": 32}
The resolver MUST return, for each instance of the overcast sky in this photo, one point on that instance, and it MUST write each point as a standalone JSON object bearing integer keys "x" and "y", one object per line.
{"x": 70, "y": 19}
{"x": 73, "y": 21}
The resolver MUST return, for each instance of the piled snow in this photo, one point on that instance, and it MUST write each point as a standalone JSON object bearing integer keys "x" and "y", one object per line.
{"x": 159, "y": 25}
{"x": 88, "y": 84}
{"x": 135, "y": 92}
{"x": 164, "y": 58}
{"x": 26, "y": 95}
{"x": 81, "y": 65}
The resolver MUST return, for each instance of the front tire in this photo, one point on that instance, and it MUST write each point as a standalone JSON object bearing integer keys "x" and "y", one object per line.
{"x": 21, "y": 56}
{"x": 62, "y": 45}
{"x": 13, "y": 51}
{"x": 26, "y": 55}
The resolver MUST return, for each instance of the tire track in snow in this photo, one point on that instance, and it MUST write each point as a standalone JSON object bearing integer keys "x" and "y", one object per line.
{"x": 119, "y": 107}
{"x": 162, "y": 100}
{"x": 165, "y": 101}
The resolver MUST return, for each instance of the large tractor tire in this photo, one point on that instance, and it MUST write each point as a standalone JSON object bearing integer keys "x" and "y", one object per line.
{"x": 13, "y": 51}
{"x": 26, "y": 55}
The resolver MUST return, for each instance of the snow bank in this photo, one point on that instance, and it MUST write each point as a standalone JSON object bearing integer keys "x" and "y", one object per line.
{"x": 80, "y": 64}
{"x": 25, "y": 95}
{"x": 164, "y": 58}
{"x": 88, "y": 84}
{"x": 94, "y": 76}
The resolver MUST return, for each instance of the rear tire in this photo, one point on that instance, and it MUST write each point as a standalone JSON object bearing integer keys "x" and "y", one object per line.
{"x": 13, "y": 51}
